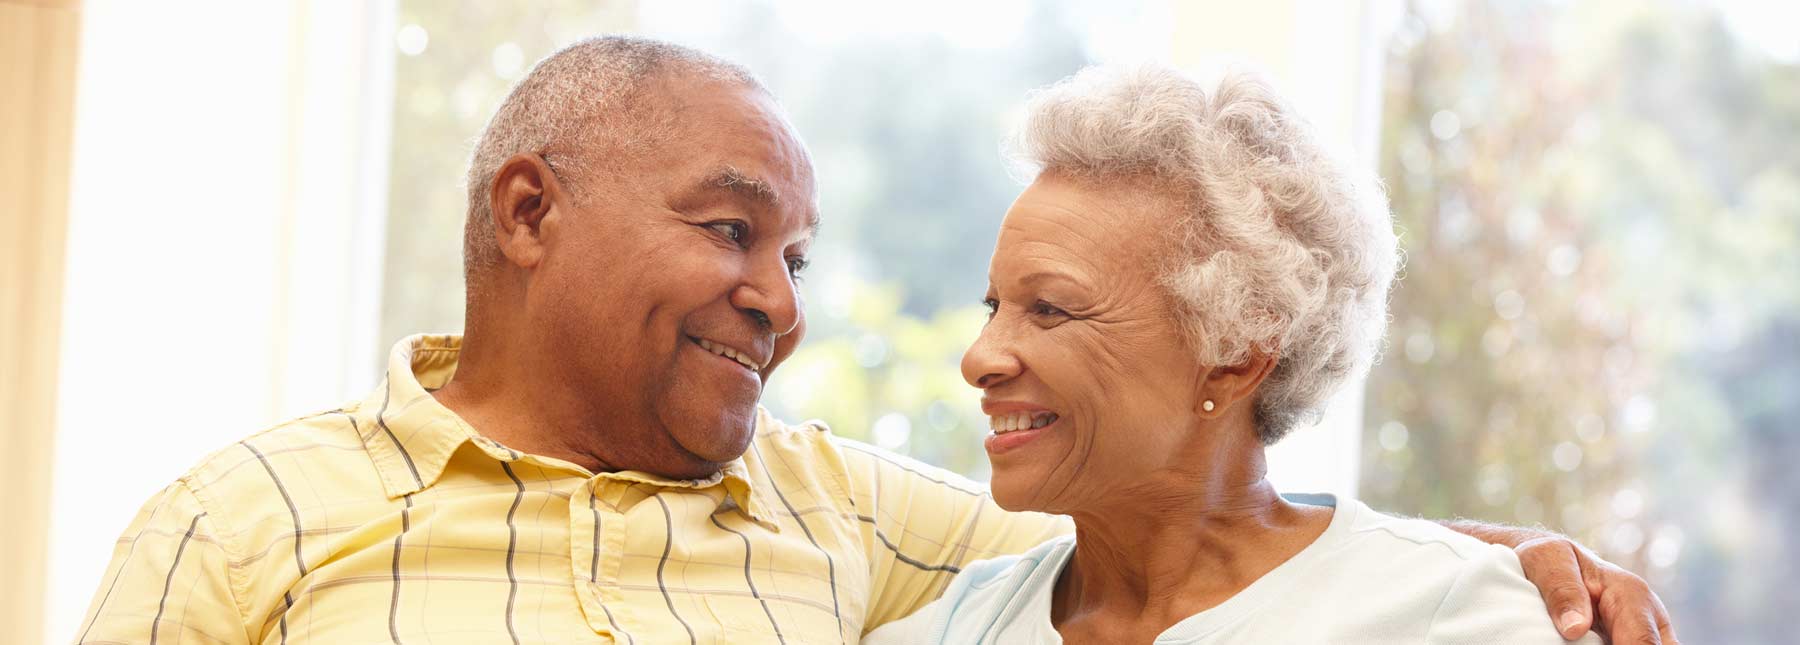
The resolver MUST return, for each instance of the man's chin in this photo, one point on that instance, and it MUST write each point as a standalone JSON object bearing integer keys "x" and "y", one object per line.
{"x": 716, "y": 441}
{"x": 720, "y": 452}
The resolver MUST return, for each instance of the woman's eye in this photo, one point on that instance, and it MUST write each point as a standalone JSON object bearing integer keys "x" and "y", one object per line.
{"x": 1046, "y": 309}
{"x": 993, "y": 307}
{"x": 733, "y": 231}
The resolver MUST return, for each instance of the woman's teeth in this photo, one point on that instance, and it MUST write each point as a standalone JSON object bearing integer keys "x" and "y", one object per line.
{"x": 1009, "y": 422}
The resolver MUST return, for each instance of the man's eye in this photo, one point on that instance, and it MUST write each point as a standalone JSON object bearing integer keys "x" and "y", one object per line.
{"x": 733, "y": 231}
{"x": 797, "y": 265}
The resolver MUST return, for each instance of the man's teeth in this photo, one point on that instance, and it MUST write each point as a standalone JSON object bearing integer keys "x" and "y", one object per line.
{"x": 730, "y": 353}
{"x": 1009, "y": 422}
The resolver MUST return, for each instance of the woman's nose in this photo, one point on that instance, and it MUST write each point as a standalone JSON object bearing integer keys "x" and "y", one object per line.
{"x": 990, "y": 360}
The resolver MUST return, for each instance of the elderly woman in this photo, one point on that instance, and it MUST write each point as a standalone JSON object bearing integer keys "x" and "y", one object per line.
{"x": 1188, "y": 279}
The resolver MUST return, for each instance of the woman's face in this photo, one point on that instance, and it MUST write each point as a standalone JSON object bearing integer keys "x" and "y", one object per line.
{"x": 1083, "y": 350}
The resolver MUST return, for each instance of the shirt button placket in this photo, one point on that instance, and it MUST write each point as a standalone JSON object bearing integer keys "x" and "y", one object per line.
{"x": 604, "y": 528}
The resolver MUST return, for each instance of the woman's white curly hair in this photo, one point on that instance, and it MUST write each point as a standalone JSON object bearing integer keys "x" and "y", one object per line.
{"x": 1279, "y": 245}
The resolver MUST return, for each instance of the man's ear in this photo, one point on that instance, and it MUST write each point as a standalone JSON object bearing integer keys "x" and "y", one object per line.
{"x": 523, "y": 196}
{"x": 1226, "y": 386}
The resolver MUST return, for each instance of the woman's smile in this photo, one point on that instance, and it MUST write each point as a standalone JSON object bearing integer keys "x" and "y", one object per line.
{"x": 1015, "y": 424}
{"x": 1015, "y": 430}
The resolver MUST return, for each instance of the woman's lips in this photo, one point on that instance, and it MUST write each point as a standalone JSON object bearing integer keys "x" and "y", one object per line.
{"x": 1002, "y": 442}
{"x": 1022, "y": 419}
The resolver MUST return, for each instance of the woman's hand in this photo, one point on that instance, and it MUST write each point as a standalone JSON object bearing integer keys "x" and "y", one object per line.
{"x": 1576, "y": 584}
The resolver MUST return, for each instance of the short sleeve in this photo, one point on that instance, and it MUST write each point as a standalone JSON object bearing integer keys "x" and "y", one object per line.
{"x": 169, "y": 580}
{"x": 1492, "y": 602}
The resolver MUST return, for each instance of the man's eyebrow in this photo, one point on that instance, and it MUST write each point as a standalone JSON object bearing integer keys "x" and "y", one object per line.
{"x": 758, "y": 191}
{"x": 744, "y": 185}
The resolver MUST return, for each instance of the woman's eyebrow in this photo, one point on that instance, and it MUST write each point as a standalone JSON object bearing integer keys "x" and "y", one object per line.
{"x": 1065, "y": 289}
{"x": 1038, "y": 277}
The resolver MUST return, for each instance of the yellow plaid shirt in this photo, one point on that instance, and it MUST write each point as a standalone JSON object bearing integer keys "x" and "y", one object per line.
{"x": 391, "y": 520}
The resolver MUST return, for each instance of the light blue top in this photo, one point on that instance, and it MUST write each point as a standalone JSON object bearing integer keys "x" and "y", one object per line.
{"x": 1369, "y": 578}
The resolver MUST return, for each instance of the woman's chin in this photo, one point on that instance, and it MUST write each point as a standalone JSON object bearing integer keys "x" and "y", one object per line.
{"x": 1015, "y": 493}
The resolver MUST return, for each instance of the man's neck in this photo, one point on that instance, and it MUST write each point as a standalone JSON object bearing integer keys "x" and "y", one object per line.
{"x": 497, "y": 394}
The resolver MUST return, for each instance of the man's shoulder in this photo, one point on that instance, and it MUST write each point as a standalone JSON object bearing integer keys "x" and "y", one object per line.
{"x": 770, "y": 428}
{"x": 859, "y": 466}
{"x": 816, "y": 440}
{"x": 319, "y": 438}
{"x": 809, "y": 441}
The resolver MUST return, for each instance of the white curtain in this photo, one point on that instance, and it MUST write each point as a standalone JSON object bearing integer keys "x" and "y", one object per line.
{"x": 225, "y": 241}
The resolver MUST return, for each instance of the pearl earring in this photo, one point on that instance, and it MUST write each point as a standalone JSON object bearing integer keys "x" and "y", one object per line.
{"x": 1206, "y": 405}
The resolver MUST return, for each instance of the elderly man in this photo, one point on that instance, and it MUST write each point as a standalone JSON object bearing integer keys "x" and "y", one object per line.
{"x": 588, "y": 462}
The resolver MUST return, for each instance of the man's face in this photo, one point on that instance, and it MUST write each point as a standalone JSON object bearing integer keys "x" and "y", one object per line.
{"x": 673, "y": 293}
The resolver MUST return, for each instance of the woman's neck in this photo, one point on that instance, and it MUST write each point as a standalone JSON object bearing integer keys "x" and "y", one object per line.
{"x": 1146, "y": 562}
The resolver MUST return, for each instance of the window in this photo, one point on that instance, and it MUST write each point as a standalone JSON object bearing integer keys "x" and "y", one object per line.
{"x": 1599, "y": 328}
{"x": 911, "y": 181}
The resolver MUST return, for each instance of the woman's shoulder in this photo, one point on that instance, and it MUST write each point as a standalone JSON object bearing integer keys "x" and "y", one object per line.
{"x": 1367, "y": 525}
{"x": 1019, "y": 570}
{"x": 1466, "y": 587}
{"x": 1429, "y": 554}
{"x": 986, "y": 595}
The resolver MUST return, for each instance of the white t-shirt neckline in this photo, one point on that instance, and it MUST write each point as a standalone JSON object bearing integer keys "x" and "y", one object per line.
{"x": 1268, "y": 588}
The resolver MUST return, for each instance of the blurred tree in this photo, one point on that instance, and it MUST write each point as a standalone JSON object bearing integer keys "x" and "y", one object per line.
{"x": 1596, "y": 330}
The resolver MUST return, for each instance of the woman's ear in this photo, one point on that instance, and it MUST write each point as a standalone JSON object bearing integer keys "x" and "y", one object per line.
{"x": 1227, "y": 386}
{"x": 523, "y": 196}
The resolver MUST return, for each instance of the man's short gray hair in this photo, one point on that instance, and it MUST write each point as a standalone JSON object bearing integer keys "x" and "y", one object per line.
{"x": 583, "y": 108}
{"x": 1278, "y": 244}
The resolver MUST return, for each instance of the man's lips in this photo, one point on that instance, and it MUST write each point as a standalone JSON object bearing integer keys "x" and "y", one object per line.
{"x": 748, "y": 360}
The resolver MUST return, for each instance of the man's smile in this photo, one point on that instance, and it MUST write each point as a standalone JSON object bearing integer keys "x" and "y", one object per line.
{"x": 741, "y": 357}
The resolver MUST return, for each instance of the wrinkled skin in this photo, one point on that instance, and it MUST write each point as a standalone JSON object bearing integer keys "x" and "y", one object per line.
{"x": 592, "y": 325}
{"x": 586, "y": 327}
{"x": 1079, "y": 328}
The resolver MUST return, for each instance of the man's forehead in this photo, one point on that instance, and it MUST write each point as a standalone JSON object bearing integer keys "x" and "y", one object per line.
{"x": 738, "y": 137}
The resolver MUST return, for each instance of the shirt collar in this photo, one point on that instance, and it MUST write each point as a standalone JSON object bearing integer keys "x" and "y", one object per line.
{"x": 413, "y": 436}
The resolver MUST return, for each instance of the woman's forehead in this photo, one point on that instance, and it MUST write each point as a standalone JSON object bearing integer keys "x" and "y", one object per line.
{"x": 1087, "y": 219}
{"x": 1072, "y": 246}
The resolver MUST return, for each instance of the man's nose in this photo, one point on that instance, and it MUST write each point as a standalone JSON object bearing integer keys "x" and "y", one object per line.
{"x": 770, "y": 296}
{"x": 990, "y": 360}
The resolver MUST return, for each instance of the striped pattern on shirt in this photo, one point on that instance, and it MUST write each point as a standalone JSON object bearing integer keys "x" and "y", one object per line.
{"x": 391, "y": 520}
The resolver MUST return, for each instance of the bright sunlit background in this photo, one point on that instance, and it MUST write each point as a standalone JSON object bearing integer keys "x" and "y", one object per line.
{"x": 1598, "y": 330}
